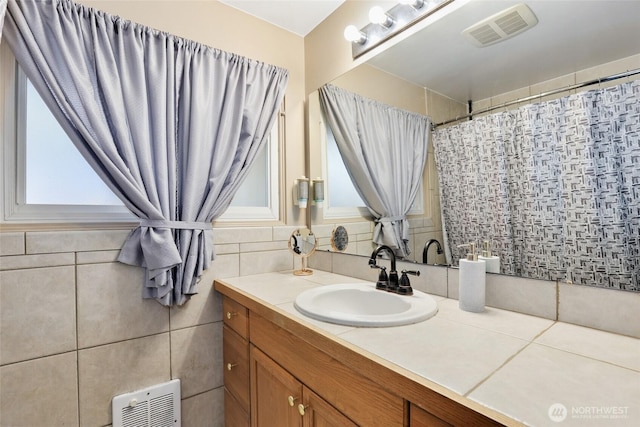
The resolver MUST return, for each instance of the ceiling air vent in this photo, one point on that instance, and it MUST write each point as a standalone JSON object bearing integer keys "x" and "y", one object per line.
{"x": 501, "y": 26}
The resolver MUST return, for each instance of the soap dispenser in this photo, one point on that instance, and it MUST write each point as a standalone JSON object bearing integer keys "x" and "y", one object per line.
{"x": 472, "y": 281}
{"x": 493, "y": 261}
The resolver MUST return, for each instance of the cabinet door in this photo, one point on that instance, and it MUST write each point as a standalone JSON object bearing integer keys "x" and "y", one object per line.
{"x": 275, "y": 394}
{"x": 422, "y": 418}
{"x": 234, "y": 413}
{"x": 235, "y": 352}
{"x": 318, "y": 413}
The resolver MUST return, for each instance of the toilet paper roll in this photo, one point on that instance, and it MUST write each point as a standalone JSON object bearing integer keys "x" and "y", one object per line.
{"x": 472, "y": 285}
{"x": 493, "y": 263}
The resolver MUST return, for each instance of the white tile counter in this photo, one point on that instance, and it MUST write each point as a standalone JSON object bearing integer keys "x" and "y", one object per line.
{"x": 536, "y": 371}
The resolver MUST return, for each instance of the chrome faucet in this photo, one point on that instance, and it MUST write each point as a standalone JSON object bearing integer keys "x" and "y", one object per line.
{"x": 391, "y": 282}
{"x": 425, "y": 251}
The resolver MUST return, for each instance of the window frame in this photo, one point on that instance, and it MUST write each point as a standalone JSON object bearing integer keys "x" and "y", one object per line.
{"x": 272, "y": 211}
{"x": 334, "y": 213}
{"x": 15, "y": 210}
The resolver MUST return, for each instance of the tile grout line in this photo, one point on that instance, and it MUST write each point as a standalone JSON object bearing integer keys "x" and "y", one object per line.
{"x": 557, "y": 300}
{"x": 77, "y": 351}
{"x": 587, "y": 357}
{"x": 509, "y": 359}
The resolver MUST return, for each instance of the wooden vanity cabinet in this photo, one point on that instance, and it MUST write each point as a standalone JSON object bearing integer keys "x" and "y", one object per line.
{"x": 274, "y": 377}
{"x": 320, "y": 414}
{"x": 235, "y": 356}
{"x": 421, "y": 418}
{"x": 279, "y": 399}
{"x": 275, "y": 393}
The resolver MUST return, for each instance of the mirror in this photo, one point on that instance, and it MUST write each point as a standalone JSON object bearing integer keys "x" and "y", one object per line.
{"x": 302, "y": 244}
{"x": 339, "y": 239}
{"x": 380, "y": 86}
{"x": 435, "y": 72}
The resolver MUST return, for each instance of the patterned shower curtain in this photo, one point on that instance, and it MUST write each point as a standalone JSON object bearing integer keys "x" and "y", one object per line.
{"x": 555, "y": 186}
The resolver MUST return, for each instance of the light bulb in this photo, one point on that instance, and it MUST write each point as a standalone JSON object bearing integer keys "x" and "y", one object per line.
{"x": 377, "y": 15}
{"x": 354, "y": 35}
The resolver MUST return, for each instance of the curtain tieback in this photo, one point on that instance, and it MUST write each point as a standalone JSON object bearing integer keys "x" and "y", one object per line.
{"x": 391, "y": 218}
{"x": 185, "y": 225}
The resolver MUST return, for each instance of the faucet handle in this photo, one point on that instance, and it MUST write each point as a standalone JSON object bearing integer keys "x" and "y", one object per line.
{"x": 383, "y": 279}
{"x": 405, "y": 285}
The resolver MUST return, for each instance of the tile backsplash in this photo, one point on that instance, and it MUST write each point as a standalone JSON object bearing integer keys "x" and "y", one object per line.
{"x": 609, "y": 310}
{"x": 73, "y": 324}
{"x": 74, "y": 327}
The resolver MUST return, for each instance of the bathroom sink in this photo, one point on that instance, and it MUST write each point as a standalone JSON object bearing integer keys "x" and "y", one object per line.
{"x": 361, "y": 304}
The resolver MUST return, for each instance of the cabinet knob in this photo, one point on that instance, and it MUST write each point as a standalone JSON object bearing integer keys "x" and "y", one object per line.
{"x": 231, "y": 314}
{"x": 302, "y": 409}
{"x": 292, "y": 400}
{"x": 230, "y": 366}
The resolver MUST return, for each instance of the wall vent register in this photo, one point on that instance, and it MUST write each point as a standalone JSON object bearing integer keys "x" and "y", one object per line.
{"x": 156, "y": 406}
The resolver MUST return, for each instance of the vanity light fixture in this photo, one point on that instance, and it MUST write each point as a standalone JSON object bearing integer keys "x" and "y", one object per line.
{"x": 377, "y": 15}
{"x": 385, "y": 25}
{"x": 354, "y": 35}
{"x": 416, "y": 4}
{"x": 301, "y": 192}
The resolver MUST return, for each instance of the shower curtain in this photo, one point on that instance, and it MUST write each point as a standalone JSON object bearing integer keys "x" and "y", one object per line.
{"x": 555, "y": 186}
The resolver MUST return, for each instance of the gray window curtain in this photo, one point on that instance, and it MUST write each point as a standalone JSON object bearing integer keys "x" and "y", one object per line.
{"x": 384, "y": 149}
{"x": 3, "y": 9}
{"x": 170, "y": 125}
{"x": 553, "y": 184}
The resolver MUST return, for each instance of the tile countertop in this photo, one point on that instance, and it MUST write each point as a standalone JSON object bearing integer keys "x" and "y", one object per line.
{"x": 522, "y": 366}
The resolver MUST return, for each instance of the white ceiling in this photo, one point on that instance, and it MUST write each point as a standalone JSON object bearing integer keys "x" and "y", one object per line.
{"x": 296, "y": 16}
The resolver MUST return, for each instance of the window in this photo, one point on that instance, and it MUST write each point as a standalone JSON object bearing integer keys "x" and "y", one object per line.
{"x": 343, "y": 200}
{"x": 257, "y": 198}
{"x": 46, "y": 179}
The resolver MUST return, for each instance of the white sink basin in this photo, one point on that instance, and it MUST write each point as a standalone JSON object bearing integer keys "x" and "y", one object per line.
{"x": 361, "y": 304}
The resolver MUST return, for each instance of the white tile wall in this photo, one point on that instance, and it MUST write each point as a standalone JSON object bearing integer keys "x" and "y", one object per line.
{"x": 110, "y": 307}
{"x": 196, "y": 358}
{"x": 607, "y": 309}
{"x": 112, "y": 369}
{"x": 40, "y": 392}
{"x": 53, "y": 284}
{"x": 37, "y": 313}
{"x": 12, "y": 244}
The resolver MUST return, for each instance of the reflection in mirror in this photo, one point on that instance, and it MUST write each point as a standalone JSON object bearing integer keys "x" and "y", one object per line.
{"x": 425, "y": 251}
{"x": 302, "y": 243}
{"x": 547, "y": 184}
{"x": 424, "y": 216}
{"x": 384, "y": 149}
{"x": 339, "y": 239}
{"x": 484, "y": 78}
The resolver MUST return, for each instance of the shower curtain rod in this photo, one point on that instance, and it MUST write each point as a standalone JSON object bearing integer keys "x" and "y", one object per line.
{"x": 532, "y": 97}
